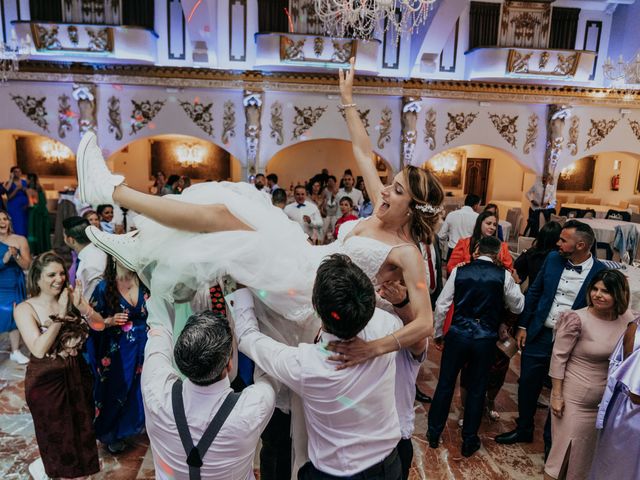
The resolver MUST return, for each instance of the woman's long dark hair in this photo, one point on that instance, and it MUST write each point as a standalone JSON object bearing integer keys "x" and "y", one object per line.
{"x": 477, "y": 230}
{"x": 547, "y": 238}
{"x": 112, "y": 295}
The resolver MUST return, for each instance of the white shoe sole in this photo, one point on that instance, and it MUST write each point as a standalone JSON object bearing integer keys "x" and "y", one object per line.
{"x": 107, "y": 248}
{"x": 81, "y": 163}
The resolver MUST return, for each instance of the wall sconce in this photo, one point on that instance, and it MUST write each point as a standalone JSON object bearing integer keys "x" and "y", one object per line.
{"x": 190, "y": 155}
{"x": 55, "y": 152}
{"x": 444, "y": 163}
{"x": 616, "y": 165}
{"x": 568, "y": 171}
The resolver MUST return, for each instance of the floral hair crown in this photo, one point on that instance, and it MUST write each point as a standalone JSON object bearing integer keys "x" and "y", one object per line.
{"x": 428, "y": 208}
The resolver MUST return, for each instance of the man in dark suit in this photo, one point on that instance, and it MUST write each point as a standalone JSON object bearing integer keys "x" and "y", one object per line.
{"x": 561, "y": 285}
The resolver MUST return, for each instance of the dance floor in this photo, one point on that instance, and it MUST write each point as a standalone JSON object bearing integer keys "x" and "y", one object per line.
{"x": 524, "y": 461}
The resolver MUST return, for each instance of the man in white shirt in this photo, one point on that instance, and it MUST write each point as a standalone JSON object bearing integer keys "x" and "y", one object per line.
{"x": 202, "y": 354}
{"x": 350, "y": 191}
{"x": 91, "y": 262}
{"x": 304, "y": 212}
{"x": 542, "y": 196}
{"x": 272, "y": 182}
{"x": 351, "y": 420}
{"x": 459, "y": 223}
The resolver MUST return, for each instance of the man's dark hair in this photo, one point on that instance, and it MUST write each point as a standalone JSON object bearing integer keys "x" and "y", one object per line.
{"x": 74, "y": 227}
{"x": 203, "y": 349}
{"x": 489, "y": 246}
{"x": 260, "y": 175}
{"x": 347, "y": 199}
{"x": 343, "y": 297}
{"x": 173, "y": 179}
{"x": 101, "y": 208}
{"x": 332, "y": 177}
{"x": 471, "y": 200}
{"x": 583, "y": 231}
{"x": 278, "y": 196}
{"x": 299, "y": 186}
{"x": 272, "y": 177}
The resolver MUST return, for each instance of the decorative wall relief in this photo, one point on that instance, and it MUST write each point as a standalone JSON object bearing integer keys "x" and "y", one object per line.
{"x": 506, "y": 126}
{"x": 305, "y": 118}
{"x": 409, "y": 124}
{"x": 574, "y": 129}
{"x": 85, "y": 96}
{"x": 635, "y": 127}
{"x": 99, "y": 39}
{"x": 430, "y": 129}
{"x": 72, "y": 32}
{"x": 318, "y": 46}
{"x": 64, "y": 115}
{"x": 115, "y": 121}
{"x": 457, "y": 124}
{"x": 532, "y": 134}
{"x": 200, "y": 114}
{"x": 276, "y": 123}
{"x": 228, "y": 121}
{"x": 143, "y": 112}
{"x": 524, "y": 24}
{"x": 599, "y": 130}
{"x": 567, "y": 64}
{"x": 556, "y": 116}
{"x": 92, "y": 11}
{"x": 522, "y": 62}
{"x": 385, "y": 127}
{"x": 79, "y": 38}
{"x": 252, "y": 102}
{"x": 34, "y": 109}
{"x": 291, "y": 49}
{"x": 364, "y": 117}
{"x": 341, "y": 52}
{"x": 294, "y": 48}
{"x": 47, "y": 38}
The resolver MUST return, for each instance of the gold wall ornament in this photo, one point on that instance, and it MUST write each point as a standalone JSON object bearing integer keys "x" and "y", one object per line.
{"x": 567, "y": 64}
{"x": 409, "y": 126}
{"x": 276, "y": 123}
{"x": 200, "y": 114}
{"x": 115, "y": 120}
{"x": 318, "y": 46}
{"x": 64, "y": 115}
{"x": 342, "y": 51}
{"x": 79, "y": 38}
{"x": 574, "y": 130}
{"x": 384, "y": 135}
{"x": 291, "y": 50}
{"x": 457, "y": 124}
{"x": 635, "y": 128}
{"x": 33, "y": 108}
{"x": 46, "y": 37}
{"x": 252, "y": 102}
{"x": 143, "y": 113}
{"x": 363, "y": 114}
{"x": 556, "y": 116}
{"x": 599, "y": 130}
{"x": 544, "y": 59}
{"x": 72, "y": 32}
{"x": 305, "y": 118}
{"x": 532, "y": 134}
{"x": 430, "y": 129}
{"x": 228, "y": 121}
{"x": 85, "y": 96}
{"x": 506, "y": 126}
{"x": 524, "y": 24}
{"x": 99, "y": 40}
{"x": 520, "y": 63}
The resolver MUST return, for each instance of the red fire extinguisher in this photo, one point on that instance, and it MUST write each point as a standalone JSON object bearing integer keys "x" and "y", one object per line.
{"x": 615, "y": 182}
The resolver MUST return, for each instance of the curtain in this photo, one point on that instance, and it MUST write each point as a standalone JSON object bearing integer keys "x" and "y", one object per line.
{"x": 484, "y": 19}
{"x": 138, "y": 13}
{"x": 45, "y": 10}
{"x": 272, "y": 16}
{"x": 564, "y": 27}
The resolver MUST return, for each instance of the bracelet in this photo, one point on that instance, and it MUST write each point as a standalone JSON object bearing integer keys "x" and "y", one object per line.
{"x": 397, "y": 341}
{"x": 343, "y": 106}
{"x": 402, "y": 303}
{"x": 91, "y": 312}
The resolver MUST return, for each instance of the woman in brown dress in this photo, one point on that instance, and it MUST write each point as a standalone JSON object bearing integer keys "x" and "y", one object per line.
{"x": 58, "y": 383}
{"x": 585, "y": 339}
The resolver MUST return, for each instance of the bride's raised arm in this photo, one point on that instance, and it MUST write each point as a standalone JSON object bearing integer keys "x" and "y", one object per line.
{"x": 362, "y": 148}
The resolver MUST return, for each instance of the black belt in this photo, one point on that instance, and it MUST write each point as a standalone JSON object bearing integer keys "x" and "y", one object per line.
{"x": 379, "y": 469}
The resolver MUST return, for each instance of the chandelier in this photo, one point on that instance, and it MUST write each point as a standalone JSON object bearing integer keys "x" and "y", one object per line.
{"x": 11, "y": 53}
{"x": 626, "y": 72}
{"x": 567, "y": 172}
{"x": 359, "y": 18}
{"x": 55, "y": 152}
{"x": 190, "y": 155}
{"x": 445, "y": 163}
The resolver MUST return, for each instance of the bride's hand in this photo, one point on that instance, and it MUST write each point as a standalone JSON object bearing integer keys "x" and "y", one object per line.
{"x": 351, "y": 352}
{"x": 346, "y": 82}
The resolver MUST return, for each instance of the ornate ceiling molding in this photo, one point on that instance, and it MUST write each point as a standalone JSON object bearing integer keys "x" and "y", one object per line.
{"x": 182, "y": 77}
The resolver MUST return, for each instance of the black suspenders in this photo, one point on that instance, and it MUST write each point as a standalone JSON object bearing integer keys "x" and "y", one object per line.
{"x": 197, "y": 452}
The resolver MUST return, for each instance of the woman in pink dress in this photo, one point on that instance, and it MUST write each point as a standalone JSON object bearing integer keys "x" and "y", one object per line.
{"x": 584, "y": 342}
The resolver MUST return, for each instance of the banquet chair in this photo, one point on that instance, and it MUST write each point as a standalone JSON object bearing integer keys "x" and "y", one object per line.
{"x": 524, "y": 243}
{"x": 514, "y": 216}
{"x": 618, "y": 215}
{"x": 559, "y": 219}
{"x": 635, "y": 217}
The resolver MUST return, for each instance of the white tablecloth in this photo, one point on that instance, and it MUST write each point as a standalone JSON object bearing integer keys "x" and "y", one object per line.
{"x": 505, "y": 205}
{"x": 506, "y": 229}
{"x": 601, "y": 210}
{"x": 605, "y": 230}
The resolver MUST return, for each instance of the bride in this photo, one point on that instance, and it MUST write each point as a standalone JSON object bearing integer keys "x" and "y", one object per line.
{"x": 214, "y": 229}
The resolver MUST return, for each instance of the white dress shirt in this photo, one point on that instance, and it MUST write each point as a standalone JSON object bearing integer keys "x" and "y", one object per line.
{"x": 297, "y": 215}
{"x": 91, "y": 266}
{"x": 535, "y": 194}
{"x": 407, "y": 368}
{"x": 355, "y": 195}
{"x": 568, "y": 287}
{"x": 458, "y": 224}
{"x": 513, "y": 297}
{"x": 351, "y": 420}
{"x": 230, "y": 456}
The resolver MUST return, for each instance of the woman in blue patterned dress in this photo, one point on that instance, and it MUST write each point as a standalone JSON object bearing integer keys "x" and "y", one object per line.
{"x": 17, "y": 201}
{"x": 116, "y": 355}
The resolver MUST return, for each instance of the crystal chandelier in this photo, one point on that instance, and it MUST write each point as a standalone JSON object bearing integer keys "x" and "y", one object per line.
{"x": 624, "y": 72}
{"x": 55, "y": 152}
{"x": 359, "y": 18}
{"x": 11, "y": 53}
{"x": 190, "y": 155}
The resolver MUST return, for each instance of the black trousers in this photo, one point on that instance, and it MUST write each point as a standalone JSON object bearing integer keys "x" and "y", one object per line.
{"x": 477, "y": 354}
{"x": 405, "y": 452}
{"x": 533, "y": 222}
{"x": 275, "y": 454}
{"x": 388, "y": 469}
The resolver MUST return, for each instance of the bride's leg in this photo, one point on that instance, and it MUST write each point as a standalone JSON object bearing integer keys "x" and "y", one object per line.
{"x": 179, "y": 215}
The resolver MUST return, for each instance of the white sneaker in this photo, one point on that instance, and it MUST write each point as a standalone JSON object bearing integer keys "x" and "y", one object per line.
{"x": 18, "y": 357}
{"x": 36, "y": 469}
{"x": 95, "y": 181}
{"x": 123, "y": 247}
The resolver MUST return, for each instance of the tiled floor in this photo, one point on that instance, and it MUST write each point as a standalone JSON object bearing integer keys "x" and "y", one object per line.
{"x": 18, "y": 447}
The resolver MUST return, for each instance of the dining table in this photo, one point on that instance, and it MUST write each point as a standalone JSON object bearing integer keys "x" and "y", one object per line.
{"x": 601, "y": 210}
{"x": 605, "y": 229}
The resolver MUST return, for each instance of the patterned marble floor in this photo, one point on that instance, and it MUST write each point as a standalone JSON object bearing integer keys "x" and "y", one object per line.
{"x": 519, "y": 462}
